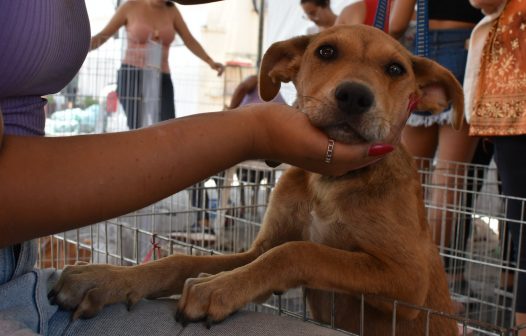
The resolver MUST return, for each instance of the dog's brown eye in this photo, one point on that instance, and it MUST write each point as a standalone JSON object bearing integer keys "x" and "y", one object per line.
{"x": 326, "y": 52}
{"x": 395, "y": 70}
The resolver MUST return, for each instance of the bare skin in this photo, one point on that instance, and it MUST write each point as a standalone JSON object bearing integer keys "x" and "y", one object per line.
{"x": 402, "y": 12}
{"x": 156, "y": 15}
{"x": 352, "y": 14}
{"x": 56, "y": 184}
{"x": 323, "y": 17}
{"x": 248, "y": 85}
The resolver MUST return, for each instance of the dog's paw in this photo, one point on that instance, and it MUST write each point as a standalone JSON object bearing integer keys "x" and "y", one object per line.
{"x": 86, "y": 289}
{"x": 213, "y": 298}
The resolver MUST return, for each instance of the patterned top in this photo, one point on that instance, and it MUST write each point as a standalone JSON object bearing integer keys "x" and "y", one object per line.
{"x": 499, "y": 107}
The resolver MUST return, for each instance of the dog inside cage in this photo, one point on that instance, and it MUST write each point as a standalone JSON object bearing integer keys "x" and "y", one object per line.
{"x": 227, "y": 217}
{"x": 223, "y": 214}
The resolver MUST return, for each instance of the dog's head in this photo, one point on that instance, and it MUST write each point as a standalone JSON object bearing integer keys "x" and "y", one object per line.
{"x": 357, "y": 83}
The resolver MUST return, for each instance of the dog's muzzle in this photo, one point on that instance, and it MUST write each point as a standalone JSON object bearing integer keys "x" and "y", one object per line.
{"x": 353, "y": 98}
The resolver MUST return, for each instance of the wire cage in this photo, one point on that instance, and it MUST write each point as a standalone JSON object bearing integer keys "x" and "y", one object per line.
{"x": 224, "y": 213}
{"x": 90, "y": 102}
{"x": 119, "y": 88}
{"x": 480, "y": 243}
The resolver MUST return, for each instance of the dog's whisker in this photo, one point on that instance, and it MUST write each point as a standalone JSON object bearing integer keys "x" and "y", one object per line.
{"x": 323, "y": 101}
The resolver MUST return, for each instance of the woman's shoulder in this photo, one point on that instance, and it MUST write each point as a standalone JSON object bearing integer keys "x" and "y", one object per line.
{"x": 170, "y": 6}
{"x": 131, "y": 5}
{"x": 174, "y": 12}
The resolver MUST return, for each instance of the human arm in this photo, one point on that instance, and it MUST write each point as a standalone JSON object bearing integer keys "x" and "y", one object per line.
{"x": 246, "y": 86}
{"x": 55, "y": 184}
{"x": 487, "y": 6}
{"x": 192, "y": 44}
{"x": 400, "y": 16}
{"x": 117, "y": 21}
{"x": 352, "y": 14}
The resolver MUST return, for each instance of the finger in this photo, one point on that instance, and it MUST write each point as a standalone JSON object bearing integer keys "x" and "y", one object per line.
{"x": 347, "y": 158}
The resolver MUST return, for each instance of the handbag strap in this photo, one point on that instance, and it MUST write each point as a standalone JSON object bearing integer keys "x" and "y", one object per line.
{"x": 422, "y": 29}
{"x": 382, "y": 14}
{"x": 422, "y": 24}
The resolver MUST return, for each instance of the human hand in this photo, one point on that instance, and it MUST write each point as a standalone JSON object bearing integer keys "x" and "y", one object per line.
{"x": 285, "y": 134}
{"x": 219, "y": 67}
{"x": 487, "y": 6}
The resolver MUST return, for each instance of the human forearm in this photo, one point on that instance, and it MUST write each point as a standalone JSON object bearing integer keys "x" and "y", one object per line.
{"x": 237, "y": 97}
{"x": 198, "y": 50}
{"x": 52, "y": 185}
{"x": 400, "y": 16}
{"x": 195, "y": 47}
{"x": 97, "y": 41}
{"x": 246, "y": 86}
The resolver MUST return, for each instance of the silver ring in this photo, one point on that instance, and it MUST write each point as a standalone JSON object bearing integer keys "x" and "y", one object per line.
{"x": 330, "y": 151}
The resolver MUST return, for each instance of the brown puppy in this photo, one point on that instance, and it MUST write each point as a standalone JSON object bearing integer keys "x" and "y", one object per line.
{"x": 364, "y": 232}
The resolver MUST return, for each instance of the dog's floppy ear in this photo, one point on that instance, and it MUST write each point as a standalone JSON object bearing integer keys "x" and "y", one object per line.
{"x": 280, "y": 63}
{"x": 438, "y": 89}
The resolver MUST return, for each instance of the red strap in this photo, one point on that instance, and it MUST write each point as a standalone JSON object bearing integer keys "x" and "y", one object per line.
{"x": 152, "y": 252}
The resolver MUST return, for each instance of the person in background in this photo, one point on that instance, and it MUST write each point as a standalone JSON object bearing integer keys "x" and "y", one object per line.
{"x": 247, "y": 93}
{"x": 321, "y": 14}
{"x": 359, "y": 12}
{"x": 430, "y": 137}
{"x": 55, "y": 184}
{"x": 145, "y": 20}
{"x": 495, "y": 90}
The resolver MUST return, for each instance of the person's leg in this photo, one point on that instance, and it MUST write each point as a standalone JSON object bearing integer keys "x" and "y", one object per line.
{"x": 167, "y": 98}
{"x": 421, "y": 142}
{"x": 474, "y": 183}
{"x": 511, "y": 161}
{"x": 455, "y": 150}
{"x": 156, "y": 317}
{"x": 200, "y": 201}
{"x": 129, "y": 91}
{"x": 447, "y": 177}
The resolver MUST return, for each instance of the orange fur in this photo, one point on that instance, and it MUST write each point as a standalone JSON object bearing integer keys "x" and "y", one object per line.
{"x": 362, "y": 233}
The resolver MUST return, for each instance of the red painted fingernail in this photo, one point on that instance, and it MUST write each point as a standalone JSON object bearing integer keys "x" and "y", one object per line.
{"x": 380, "y": 149}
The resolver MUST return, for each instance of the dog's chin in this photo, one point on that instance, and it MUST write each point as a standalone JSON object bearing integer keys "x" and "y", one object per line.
{"x": 345, "y": 134}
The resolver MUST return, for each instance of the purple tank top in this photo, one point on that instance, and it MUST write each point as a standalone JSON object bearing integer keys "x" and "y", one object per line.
{"x": 43, "y": 43}
{"x": 252, "y": 97}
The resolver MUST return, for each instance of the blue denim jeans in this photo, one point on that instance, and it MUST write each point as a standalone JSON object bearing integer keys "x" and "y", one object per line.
{"x": 24, "y": 307}
{"x": 448, "y": 48}
{"x": 25, "y": 310}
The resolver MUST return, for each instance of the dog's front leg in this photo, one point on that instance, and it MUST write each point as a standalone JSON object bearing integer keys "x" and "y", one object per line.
{"x": 287, "y": 266}
{"x": 86, "y": 289}
{"x": 215, "y": 297}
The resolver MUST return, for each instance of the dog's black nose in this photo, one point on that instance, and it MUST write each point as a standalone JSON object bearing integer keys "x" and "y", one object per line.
{"x": 353, "y": 98}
